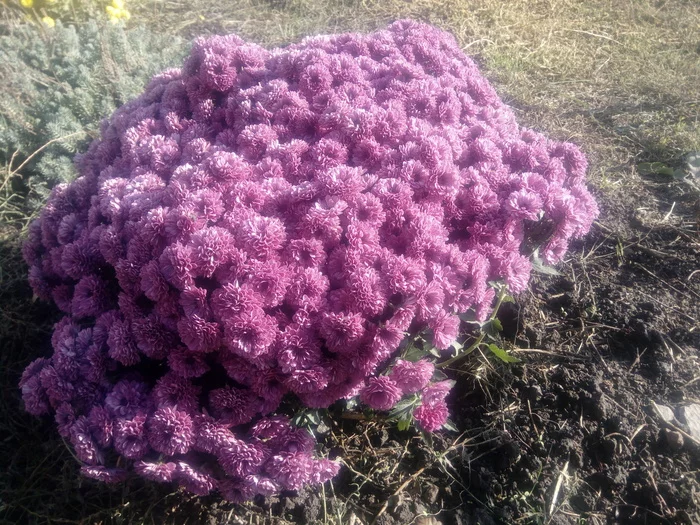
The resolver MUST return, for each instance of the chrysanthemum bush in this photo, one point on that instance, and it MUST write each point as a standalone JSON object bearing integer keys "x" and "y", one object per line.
{"x": 262, "y": 224}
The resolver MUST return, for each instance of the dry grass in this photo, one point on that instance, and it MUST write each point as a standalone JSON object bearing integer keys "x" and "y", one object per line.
{"x": 619, "y": 77}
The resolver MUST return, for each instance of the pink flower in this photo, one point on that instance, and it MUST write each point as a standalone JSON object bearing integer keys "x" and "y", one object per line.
{"x": 83, "y": 443}
{"x": 210, "y": 434}
{"x": 445, "y": 329}
{"x": 431, "y": 417}
{"x": 187, "y": 364}
{"x": 162, "y": 472}
{"x": 241, "y": 459}
{"x": 173, "y": 391}
{"x": 436, "y": 392}
{"x": 233, "y": 406}
{"x": 197, "y": 482}
{"x": 290, "y": 469}
{"x": 104, "y": 474}
{"x": 170, "y": 431}
{"x": 101, "y": 425}
{"x": 342, "y": 332}
{"x": 130, "y": 437}
{"x": 411, "y": 377}
{"x": 250, "y": 333}
{"x": 380, "y": 393}
{"x": 126, "y": 399}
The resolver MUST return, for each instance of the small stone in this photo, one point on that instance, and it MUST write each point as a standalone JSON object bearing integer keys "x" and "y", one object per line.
{"x": 534, "y": 393}
{"x": 430, "y": 493}
{"x": 665, "y": 412}
{"x": 427, "y": 520}
{"x": 673, "y": 439}
{"x": 676, "y": 396}
{"x": 691, "y": 413}
{"x": 322, "y": 428}
{"x": 609, "y": 449}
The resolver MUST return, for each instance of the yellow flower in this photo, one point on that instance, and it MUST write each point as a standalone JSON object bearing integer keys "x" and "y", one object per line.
{"x": 27, "y": 3}
{"x": 115, "y": 14}
{"x": 118, "y": 4}
{"x": 48, "y": 21}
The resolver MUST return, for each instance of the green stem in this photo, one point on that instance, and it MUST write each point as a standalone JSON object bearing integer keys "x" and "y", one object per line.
{"x": 501, "y": 295}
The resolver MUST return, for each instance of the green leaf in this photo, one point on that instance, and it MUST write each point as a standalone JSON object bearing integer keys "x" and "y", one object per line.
{"x": 438, "y": 375}
{"x": 650, "y": 168}
{"x": 492, "y": 327}
{"x": 540, "y": 267}
{"x": 434, "y": 352}
{"x": 693, "y": 160}
{"x": 449, "y": 425}
{"x": 414, "y": 353}
{"x": 508, "y": 299}
{"x": 502, "y": 354}
{"x": 403, "y": 408}
{"x": 678, "y": 174}
{"x": 403, "y": 424}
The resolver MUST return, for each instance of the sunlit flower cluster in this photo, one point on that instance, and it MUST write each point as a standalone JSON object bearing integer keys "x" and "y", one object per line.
{"x": 51, "y": 10}
{"x": 269, "y": 223}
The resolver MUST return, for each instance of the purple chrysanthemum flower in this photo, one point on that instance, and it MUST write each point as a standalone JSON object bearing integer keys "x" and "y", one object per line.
{"x": 290, "y": 469}
{"x": 130, "y": 438}
{"x": 210, "y": 434}
{"x": 101, "y": 425}
{"x": 36, "y": 401}
{"x": 89, "y": 297}
{"x": 431, "y": 417}
{"x": 436, "y": 392}
{"x": 162, "y": 472}
{"x": 235, "y": 491}
{"x": 249, "y": 333}
{"x": 173, "y": 391}
{"x": 261, "y": 485}
{"x": 445, "y": 329}
{"x": 193, "y": 480}
{"x": 380, "y": 393}
{"x": 324, "y": 470}
{"x": 233, "y": 406}
{"x": 186, "y": 363}
{"x": 240, "y": 459}
{"x": 83, "y": 443}
{"x": 411, "y": 377}
{"x": 127, "y": 398}
{"x": 170, "y": 431}
{"x": 65, "y": 417}
{"x": 271, "y": 428}
{"x": 104, "y": 474}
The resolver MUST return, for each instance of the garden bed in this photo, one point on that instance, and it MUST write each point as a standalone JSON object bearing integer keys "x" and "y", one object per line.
{"x": 581, "y": 430}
